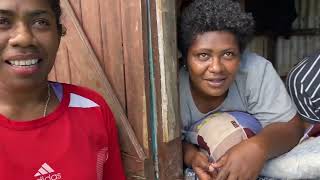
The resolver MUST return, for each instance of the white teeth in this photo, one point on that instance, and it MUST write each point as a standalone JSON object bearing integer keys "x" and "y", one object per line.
{"x": 28, "y": 62}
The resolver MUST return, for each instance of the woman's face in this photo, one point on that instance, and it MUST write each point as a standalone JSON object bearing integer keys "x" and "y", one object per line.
{"x": 29, "y": 41}
{"x": 213, "y": 62}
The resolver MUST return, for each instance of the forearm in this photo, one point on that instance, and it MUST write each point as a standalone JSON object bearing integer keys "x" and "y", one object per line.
{"x": 189, "y": 151}
{"x": 279, "y": 138}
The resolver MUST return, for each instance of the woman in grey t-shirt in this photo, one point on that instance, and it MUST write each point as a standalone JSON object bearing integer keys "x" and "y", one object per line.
{"x": 220, "y": 76}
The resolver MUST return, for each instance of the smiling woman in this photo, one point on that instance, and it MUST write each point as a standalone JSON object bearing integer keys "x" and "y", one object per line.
{"x": 220, "y": 75}
{"x": 44, "y": 125}
{"x": 29, "y": 42}
{"x": 213, "y": 61}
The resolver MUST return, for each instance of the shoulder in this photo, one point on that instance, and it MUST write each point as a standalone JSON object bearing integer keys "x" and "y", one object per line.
{"x": 263, "y": 87}
{"x": 305, "y": 70}
{"x": 304, "y": 77}
{"x": 90, "y": 104}
{"x": 254, "y": 70}
{"x": 253, "y": 62}
{"x": 83, "y": 97}
{"x": 310, "y": 61}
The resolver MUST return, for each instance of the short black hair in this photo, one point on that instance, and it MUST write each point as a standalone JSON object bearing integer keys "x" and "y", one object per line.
{"x": 201, "y": 16}
{"x": 56, "y": 8}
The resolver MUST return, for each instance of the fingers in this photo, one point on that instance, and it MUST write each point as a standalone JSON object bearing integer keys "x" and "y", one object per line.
{"x": 202, "y": 174}
{"x": 221, "y": 162}
{"x": 204, "y": 165}
{"x": 203, "y": 168}
{"x": 228, "y": 172}
{"x": 202, "y": 162}
{"x": 223, "y": 174}
{"x": 214, "y": 174}
{"x": 223, "y": 170}
{"x": 233, "y": 177}
{"x": 211, "y": 168}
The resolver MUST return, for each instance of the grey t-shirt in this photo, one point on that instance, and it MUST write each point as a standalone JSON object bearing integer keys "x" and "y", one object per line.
{"x": 257, "y": 89}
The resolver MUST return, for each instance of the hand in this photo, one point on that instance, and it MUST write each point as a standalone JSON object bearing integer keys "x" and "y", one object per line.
{"x": 202, "y": 167}
{"x": 242, "y": 162}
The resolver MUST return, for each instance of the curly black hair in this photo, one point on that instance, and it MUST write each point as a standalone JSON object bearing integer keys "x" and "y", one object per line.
{"x": 55, "y": 6}
{"x": 202, "y": 16}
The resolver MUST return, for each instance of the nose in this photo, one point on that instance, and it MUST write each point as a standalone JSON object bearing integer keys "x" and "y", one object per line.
{"x": 22, "y": 36}
{"x": 215, "y": 65}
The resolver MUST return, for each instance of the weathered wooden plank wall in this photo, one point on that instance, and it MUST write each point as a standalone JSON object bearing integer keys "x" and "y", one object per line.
{"x": 165, "y": 64}
{"x": 105, "y": 49}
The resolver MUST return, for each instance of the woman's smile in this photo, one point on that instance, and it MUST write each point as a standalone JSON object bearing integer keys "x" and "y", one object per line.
{"x": 24, "y": 64}
{"x": 29, "y": 41}
{"x": 216, "y": 82}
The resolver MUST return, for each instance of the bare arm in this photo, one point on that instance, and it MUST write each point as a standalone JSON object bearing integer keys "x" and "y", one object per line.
{"x": 274, "y": 140}
{"x": 189, "y": 151}
{"x": 280, "y": 137}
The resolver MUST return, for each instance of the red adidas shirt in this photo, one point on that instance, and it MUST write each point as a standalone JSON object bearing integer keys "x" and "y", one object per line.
{"x": 78, "y": 141}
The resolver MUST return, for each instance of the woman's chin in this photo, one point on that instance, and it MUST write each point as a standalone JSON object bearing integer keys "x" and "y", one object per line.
{"x": 217, "y": 93}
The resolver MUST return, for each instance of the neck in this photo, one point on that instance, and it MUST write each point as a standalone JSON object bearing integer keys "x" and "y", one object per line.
{"x": 205, "y": 103}
{"x": 23, "y": 94}
{"x": 23, "y": 102}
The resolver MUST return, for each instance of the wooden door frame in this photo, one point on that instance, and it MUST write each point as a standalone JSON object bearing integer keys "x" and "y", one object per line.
{"x": 165, "y": 64}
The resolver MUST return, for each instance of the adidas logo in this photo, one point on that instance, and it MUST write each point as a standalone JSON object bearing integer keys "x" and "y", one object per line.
{"x": 47, "y": 173}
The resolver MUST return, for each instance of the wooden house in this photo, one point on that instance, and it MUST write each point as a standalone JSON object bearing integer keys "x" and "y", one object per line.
{"x": 126, "y": 50}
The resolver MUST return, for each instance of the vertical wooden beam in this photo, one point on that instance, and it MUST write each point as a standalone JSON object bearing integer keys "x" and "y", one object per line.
{"x": 135, "y": 50}
{"x": 165, "y": 64}
{"x": 167, "y": 59}
{"x": 135, "y": 56}
{"x": 111, "y": 35}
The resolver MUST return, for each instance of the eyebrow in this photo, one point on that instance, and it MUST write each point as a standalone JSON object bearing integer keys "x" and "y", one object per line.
{"x": 31, "y": 13}
{"x": 6, "y": 12}
{"x": 38, "y": 13}
{"x": 205, "y": 49}
{"x": 231, "y": 49}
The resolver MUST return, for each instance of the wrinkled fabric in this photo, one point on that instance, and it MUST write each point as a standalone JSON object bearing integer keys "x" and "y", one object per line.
{"x": 302, "y": 162}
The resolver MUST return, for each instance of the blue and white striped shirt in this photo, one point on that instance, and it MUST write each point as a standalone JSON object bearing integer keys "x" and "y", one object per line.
{"x": 303, "y": 84}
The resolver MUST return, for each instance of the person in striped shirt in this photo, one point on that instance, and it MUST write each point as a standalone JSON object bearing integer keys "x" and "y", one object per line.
{"x": 303, "y": 84}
